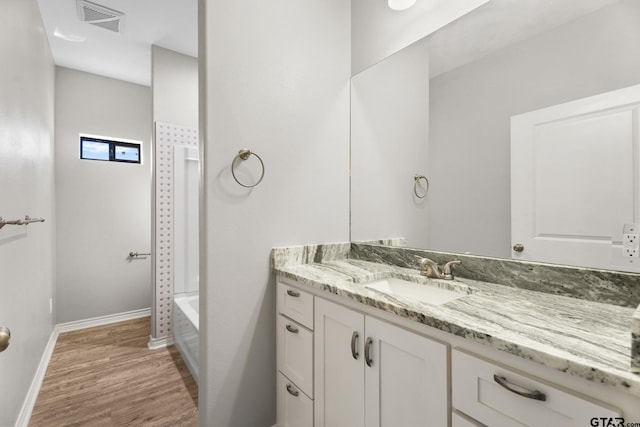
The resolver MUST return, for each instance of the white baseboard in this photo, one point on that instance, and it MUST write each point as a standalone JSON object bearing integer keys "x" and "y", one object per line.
{"x": 102, "y": 320}
{"x": 32, "y": 394}
{"x": 158, "y": 343}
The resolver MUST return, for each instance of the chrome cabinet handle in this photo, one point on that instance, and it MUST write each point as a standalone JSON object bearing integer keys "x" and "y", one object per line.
{"x": 292, "y": 329}
{"x": 518, "y": 247}
{"x": 291, "y": 391}
{"x": 354, "y": 343}
{"x": 5, "y": 335}
{"x": 529, "y": 394}
{"x": 293, "y": 293}
{"x": 367, "y": 352}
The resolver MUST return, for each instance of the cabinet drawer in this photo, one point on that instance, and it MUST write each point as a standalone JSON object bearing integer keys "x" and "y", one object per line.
{"x": 295, "y": 304}
{"x": 477, "y": 393}
{"x": 295, "y": 409}
{"x": 295, "y": 353}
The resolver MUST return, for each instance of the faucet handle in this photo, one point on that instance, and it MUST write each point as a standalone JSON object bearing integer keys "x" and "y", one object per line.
{"x": 425, "y": 261}
{"x": 428, "y": 267}
{"x": 447, "y": 272}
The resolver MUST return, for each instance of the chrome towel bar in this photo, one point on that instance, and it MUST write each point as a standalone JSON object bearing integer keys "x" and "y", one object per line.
{"x": 138, "y": 254}
{"x": 27, "y": 220}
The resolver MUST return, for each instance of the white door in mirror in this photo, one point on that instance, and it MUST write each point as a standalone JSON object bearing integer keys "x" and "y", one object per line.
{"x": 569, "y": 160}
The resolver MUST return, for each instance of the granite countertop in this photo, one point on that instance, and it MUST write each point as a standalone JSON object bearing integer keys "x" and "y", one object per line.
{"x": 584, "y": 338}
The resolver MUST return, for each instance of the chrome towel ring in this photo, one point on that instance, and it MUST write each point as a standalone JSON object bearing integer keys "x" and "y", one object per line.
{"x": 244, "y": 154}
{"x": 416, "y": 180}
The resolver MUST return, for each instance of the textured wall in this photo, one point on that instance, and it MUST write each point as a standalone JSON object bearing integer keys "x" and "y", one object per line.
{"x": 103, "y": 208}
{"x": 174, "y": 84}
{"x": 388, "y": 113}
{"x": 276, "y": 80}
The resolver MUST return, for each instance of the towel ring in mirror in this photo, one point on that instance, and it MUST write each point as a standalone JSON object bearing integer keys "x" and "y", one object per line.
{"x": 416, "y": 179}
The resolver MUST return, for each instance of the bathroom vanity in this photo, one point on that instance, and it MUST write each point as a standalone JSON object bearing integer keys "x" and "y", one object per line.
{"x": 359, "y": 345}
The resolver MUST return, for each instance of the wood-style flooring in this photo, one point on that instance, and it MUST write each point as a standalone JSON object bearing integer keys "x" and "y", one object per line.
{"x": 106, "y": 376}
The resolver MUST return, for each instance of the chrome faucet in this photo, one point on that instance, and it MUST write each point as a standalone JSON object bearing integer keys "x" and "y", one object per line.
{"x": 430, "y": 268}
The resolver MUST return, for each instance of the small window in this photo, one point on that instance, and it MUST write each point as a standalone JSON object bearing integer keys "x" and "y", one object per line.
{"x": 92, "y": 148}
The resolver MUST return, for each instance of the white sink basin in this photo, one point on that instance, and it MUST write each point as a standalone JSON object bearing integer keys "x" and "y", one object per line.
{"x": 415, "y": 291}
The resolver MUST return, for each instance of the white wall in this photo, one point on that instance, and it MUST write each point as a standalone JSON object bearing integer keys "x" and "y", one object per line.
{"x": 174, "y": 83}
{"x": 389, "y": 145}
{"x": 276, "y": 80}
{"x": 377, "y": 31}
{"x": 471, "y": 107}
{"x": 103, "y": 208}
{"x": 27, "y": 177}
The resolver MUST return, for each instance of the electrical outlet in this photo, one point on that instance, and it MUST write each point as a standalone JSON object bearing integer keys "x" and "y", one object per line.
{"x": 631, "y": 239}
{"x": 626, "y": 253}
{"x": 50, "y": 305}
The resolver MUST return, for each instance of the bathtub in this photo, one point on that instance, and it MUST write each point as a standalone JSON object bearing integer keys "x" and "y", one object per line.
{"x": 186, "y": 331}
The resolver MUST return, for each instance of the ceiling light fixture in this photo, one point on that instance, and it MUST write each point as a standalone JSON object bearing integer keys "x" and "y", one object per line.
{"x": 401, "y": 4}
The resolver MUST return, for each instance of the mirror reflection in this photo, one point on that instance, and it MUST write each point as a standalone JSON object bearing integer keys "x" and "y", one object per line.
{"x": 443, "y": 107}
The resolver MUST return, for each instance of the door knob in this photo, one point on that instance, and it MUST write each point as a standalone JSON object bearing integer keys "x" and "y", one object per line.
{"x": 5, "y": 335}
{"x": 518, "y": 247}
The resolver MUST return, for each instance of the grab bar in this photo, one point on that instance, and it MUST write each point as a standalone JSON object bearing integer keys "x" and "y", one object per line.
{"x": 27, "y": 220}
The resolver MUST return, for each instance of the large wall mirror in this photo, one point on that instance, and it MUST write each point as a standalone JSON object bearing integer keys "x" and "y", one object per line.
{"x": 442, "y": 107}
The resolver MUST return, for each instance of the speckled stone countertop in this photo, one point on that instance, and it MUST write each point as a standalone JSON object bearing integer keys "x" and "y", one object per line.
{"x": 584, "y": 338}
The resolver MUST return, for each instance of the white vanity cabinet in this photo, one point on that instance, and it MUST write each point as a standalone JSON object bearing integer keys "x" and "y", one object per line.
{"x": 497, "y": 396}
{"x": 369, "y": 373}
{"x": 339, "y": 366}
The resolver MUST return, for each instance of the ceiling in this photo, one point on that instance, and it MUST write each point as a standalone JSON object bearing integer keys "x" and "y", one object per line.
{"x": 171, "y": 24}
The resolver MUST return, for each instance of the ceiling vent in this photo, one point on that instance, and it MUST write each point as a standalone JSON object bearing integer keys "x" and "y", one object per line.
{"x": 100, "y": 16}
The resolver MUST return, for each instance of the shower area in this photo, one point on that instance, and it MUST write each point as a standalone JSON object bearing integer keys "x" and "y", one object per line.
{"x": 176, "y": 266}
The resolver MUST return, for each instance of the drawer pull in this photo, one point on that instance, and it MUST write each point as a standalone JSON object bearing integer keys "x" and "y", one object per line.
{"x": 367, "y": 352}
{"x": 291, "y": 391}
{"x": 354, "y": 343}
{"x": 292, "y": 329}
{"x": 293, "y": 293}
{"x": 529, "y": 394}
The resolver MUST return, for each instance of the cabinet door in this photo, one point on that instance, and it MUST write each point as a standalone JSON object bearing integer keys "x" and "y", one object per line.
{"x": 406, "y": 384}
{"x": 339, "y": 371}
